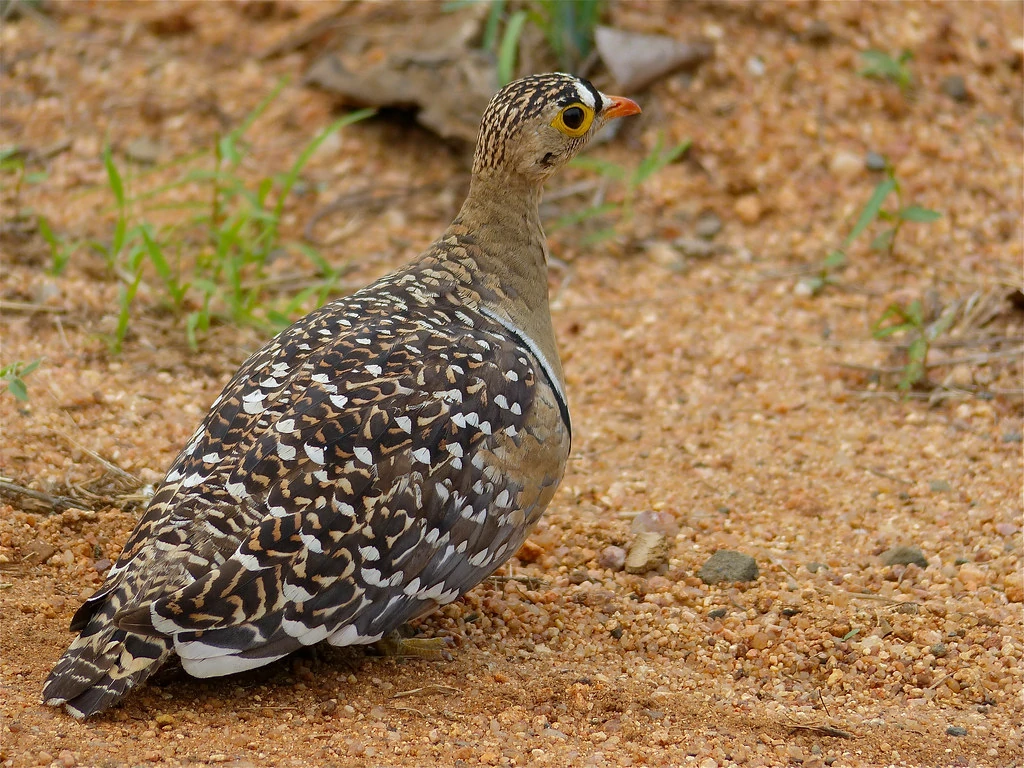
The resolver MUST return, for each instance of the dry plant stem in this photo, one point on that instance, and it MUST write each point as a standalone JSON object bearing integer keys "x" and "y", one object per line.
{"x": 28, "y": 307}
{"x": 109, "y": 466}
{"x": 426, "y": 689}
{"x": 58, "y": 503}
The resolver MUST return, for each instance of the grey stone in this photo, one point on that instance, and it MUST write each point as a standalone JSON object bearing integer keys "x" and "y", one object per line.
{"x": 818, "y": 32}
{"x": 708, "y": 225}
{"x": 874, "y": 161}
{"x": 726, "y": 565}
{"x": 956, "y": 730}
{"x": 904, "y": 555}
{"x": 955, "y": 87}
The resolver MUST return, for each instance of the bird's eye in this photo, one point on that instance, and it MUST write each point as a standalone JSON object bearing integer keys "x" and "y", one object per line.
{"x": 574, "y": 120}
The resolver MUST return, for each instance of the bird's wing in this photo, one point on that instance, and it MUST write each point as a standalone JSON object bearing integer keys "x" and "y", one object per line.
{"x": 193, "y": 491}
{"x": 385, "y": 487}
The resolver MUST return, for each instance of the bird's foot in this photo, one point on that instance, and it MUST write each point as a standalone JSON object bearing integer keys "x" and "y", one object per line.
{"x": 429, "y": 648}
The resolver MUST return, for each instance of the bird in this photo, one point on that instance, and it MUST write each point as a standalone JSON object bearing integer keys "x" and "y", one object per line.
{"x": 372, "y": 462}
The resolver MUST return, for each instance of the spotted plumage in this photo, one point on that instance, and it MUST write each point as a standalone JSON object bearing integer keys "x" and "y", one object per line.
{"x": 372, "y": 462}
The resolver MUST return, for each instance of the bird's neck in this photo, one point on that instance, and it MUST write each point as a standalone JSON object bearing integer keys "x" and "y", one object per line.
{"x": 503, "y": 217}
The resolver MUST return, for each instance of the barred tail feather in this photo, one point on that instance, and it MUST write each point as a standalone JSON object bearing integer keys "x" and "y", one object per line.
{"x": 102, "y": 665}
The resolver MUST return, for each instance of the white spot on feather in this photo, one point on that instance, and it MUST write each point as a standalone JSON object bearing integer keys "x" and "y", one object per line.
{"x": 312, "y": 542}
{"x": 363, "y": 454}
{"x": 237, "y": 490}
{"x": 253, "y": 407}
{"x": 315, "y": 452}
{"x": 296, "y": 594}
{"x": 349, "y": 635}
{"x": 373, "y": 577}
{"x": 478, "y": 558}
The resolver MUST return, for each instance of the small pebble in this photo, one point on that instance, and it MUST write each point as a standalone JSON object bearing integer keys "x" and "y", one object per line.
{"x": 818, "y": 32}
{"x": 956, "y": 730}
{"x": 972, "y": 576}
{"x": 613, "y": 558}
{"x": 726, "y": 565}
{"x": 938, "y": 486}
{"x": 815, "y": 567}
{"x": 665, "y": 254}
{"x": 658, "y": 522}
{"x": 748, "y": 209}
{"x": 1012, "y": 437}
{"x": 874, "y": 161}
{"x": 845, "y": 165}
{"x": 1013, "y": 587}
{"x": 695, "y": 248}
{"x": 755, "y": 66}
{"x": 904, "y": 555}
{"x": 648, "y": 550}
{"x": 718, "y": 613}
{"x": 708, "y": 225}
{"x": 143, "y": 150}
{"x": 955, "y": 87}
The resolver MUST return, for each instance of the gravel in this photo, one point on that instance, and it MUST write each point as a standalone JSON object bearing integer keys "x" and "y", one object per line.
{"x": 690, "y": 390}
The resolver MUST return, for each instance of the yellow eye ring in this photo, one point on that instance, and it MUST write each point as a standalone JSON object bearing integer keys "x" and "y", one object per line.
{"x": 574, "y": 120}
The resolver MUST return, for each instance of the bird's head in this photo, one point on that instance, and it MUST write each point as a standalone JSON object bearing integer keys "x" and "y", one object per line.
{"x": 537, "y": 124}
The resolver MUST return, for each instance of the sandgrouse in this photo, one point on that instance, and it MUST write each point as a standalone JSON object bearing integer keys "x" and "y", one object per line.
{"x": 373, "y": 461}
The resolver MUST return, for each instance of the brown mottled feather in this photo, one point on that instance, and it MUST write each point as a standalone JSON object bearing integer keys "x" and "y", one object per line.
{"x": 375, "y": 460}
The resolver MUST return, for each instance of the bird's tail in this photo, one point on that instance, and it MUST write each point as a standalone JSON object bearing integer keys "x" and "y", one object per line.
{"x": 102, "y": 665}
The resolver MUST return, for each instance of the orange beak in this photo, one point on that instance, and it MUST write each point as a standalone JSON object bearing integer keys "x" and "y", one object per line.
{"x": 619, "y": 106}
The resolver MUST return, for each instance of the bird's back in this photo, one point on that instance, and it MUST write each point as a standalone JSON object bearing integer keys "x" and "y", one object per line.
{"x": 373, "y": 461}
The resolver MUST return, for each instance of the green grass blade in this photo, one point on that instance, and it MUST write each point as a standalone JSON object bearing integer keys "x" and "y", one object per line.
{"x": 871, "y": 209}
{"x": 310, "y": 149}
{"x": 895, "y": 313}
{"x": 509, "y": 48}
{"x": 919, "y": 214}
{"x": 17, "y": 388}
{"x": 114, "y": 177}
{"x": 29, "y": 367}
{"x": 603, "y": 167}
{"x": 259, "y": 109}
{"x": 586, "y": 214}
{"x": 125, "y": 297}
{"x": 494, "y": 15}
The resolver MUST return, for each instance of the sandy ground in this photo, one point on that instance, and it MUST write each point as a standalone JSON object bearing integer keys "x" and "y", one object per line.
{"x": 711, "y": 389}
